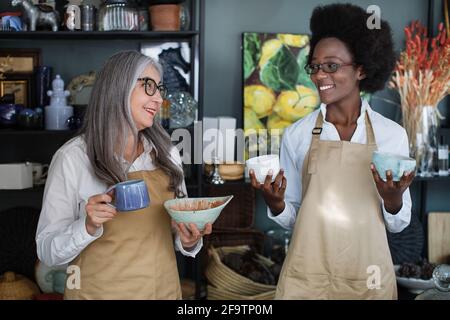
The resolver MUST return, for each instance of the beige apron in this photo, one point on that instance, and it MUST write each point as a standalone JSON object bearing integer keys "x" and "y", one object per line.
{"x": 135, "y": 256}
{"x": 339, "y": 240}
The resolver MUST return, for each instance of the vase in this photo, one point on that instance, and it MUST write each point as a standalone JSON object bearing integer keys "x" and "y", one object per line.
{"x": 426, "y": 141}
{"x": 165, "y": 17}
{"x": 183, "y": 109}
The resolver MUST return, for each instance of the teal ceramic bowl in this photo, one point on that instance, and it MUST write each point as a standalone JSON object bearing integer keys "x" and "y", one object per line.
{"x": 398, "y": 164}
{"x": 196, "y": 210}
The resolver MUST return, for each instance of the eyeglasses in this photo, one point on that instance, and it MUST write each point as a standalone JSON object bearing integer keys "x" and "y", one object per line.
{"x": 328, "y": 67}
{"x": 150, "y": 87}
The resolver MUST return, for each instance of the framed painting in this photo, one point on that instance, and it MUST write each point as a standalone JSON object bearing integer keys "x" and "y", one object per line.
{"x": 446, "y": 16}
{"x": 18, "y": 88}
{"x": 20, "y": 61}
{"x": 277, "y": 90}
{"x": 21, "y": 87}
{"x": 17, "y": 67}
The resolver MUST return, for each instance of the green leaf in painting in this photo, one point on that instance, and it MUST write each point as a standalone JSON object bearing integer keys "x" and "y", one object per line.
{"x": 304, "y": 78}
{"x": 281, "y": 71}
{"x": 252, "y": 52}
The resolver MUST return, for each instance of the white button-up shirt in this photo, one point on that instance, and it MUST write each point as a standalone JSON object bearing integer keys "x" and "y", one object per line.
{"x": 61, "y": 233}
{"x": 389, "y": 136}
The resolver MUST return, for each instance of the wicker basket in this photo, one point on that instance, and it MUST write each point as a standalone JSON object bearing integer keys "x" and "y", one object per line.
{"x": 235, "y": 237}
{"x": 228, "y": 284}
{"x": 17, "y": 287}
{"x": 221, "y": 294}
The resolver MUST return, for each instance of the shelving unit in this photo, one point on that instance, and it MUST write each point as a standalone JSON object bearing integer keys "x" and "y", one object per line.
{"x": 40, "y": 145}
{"x": 98, "y": 35}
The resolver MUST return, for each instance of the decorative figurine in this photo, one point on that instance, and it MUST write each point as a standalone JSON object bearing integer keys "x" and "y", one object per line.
{"x": 79, "y": 83}
{"x": 216, "y": 178}
{"x": 38, "y": 14}
{"x": 58, "y": 95}
{"x": 72, "y": 17}
{"x": 58, "y": 113}
{"x": 173, "y": 80}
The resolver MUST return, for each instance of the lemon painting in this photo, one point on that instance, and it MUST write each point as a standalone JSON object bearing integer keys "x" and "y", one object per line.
{"x": 277, "y": 90}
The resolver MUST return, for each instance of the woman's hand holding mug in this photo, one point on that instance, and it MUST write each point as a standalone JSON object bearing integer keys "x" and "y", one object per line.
{"x": 98, "y": 212}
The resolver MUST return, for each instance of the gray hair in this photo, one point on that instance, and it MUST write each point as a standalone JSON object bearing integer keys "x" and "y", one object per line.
{"x": 108, "y": 122}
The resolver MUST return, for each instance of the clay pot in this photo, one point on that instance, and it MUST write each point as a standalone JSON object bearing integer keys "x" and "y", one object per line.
{"x": 165, "y": 17}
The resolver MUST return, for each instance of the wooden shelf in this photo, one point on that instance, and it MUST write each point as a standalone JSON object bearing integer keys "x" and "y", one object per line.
{"x": 36, "y": 189}
{"x": 435, "y": 178}
{"x": 227, "y": 183}
{"x": 37, "y": 132}
{"x": 96, "y": 35}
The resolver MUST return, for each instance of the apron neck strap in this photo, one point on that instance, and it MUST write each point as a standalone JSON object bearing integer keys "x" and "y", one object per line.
{"x": 369, "y": 130}
{"x": 317, "y": 130}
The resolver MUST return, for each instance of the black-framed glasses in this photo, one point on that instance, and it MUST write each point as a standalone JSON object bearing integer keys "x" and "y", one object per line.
{"x": 151, "y": 86}
{"x": 328, "y": 67}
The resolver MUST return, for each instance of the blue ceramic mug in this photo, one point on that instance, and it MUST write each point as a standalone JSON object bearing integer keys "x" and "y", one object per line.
{"x": 130, "y": 195}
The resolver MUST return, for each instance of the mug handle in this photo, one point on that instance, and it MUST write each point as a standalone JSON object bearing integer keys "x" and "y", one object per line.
{"x": 108, "y": 190}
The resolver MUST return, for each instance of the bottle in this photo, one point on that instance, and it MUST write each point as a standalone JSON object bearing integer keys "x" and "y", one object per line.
{"x": 443, "y": 158}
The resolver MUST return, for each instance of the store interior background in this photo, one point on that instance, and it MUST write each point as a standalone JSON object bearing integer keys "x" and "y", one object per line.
{"x": 224, "y": 23}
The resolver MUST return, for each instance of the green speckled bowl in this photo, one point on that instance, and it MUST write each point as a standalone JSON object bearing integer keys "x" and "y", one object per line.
{"x": 199, "y": 217}
{"x": 398, "y": 164}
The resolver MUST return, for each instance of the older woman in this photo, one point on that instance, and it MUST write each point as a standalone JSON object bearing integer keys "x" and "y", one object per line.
{"x": 120, "y": 255}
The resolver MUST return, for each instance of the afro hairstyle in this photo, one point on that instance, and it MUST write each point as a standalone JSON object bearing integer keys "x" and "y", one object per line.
{"x": 371, "y": 48}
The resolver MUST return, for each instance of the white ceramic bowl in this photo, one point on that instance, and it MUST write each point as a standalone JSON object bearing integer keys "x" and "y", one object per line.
{"x": 262, "y": 164}
{"x": 414, "y": 285}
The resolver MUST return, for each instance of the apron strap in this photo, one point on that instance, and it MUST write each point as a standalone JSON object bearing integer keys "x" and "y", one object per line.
{"x": 314, "y": 148}
{"x": 369, "y": 131}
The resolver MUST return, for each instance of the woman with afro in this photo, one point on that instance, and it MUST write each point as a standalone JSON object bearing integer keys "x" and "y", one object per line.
{"x": 329, "y": 192}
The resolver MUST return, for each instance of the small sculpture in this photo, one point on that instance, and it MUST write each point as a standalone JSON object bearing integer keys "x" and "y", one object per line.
{"x": 58, "y": 113}
{"x": 79, "y": 83}
{"x": 38, "y": 14}
{"x": 73, "y": 17}
{"x": 58, "y": 95}
{"x": 173, "y": 80}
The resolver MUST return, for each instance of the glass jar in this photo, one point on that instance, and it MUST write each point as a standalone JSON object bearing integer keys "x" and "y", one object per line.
{"x": 117, "y": 15}
{"x": 183, "y": 109}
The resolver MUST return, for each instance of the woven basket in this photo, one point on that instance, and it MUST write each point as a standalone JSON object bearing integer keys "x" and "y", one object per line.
{"x": 235, "y": 237}
{"x": 17, "y": 287}
{"x": 221, "y": 294}
{"x": 227, "y": 282}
